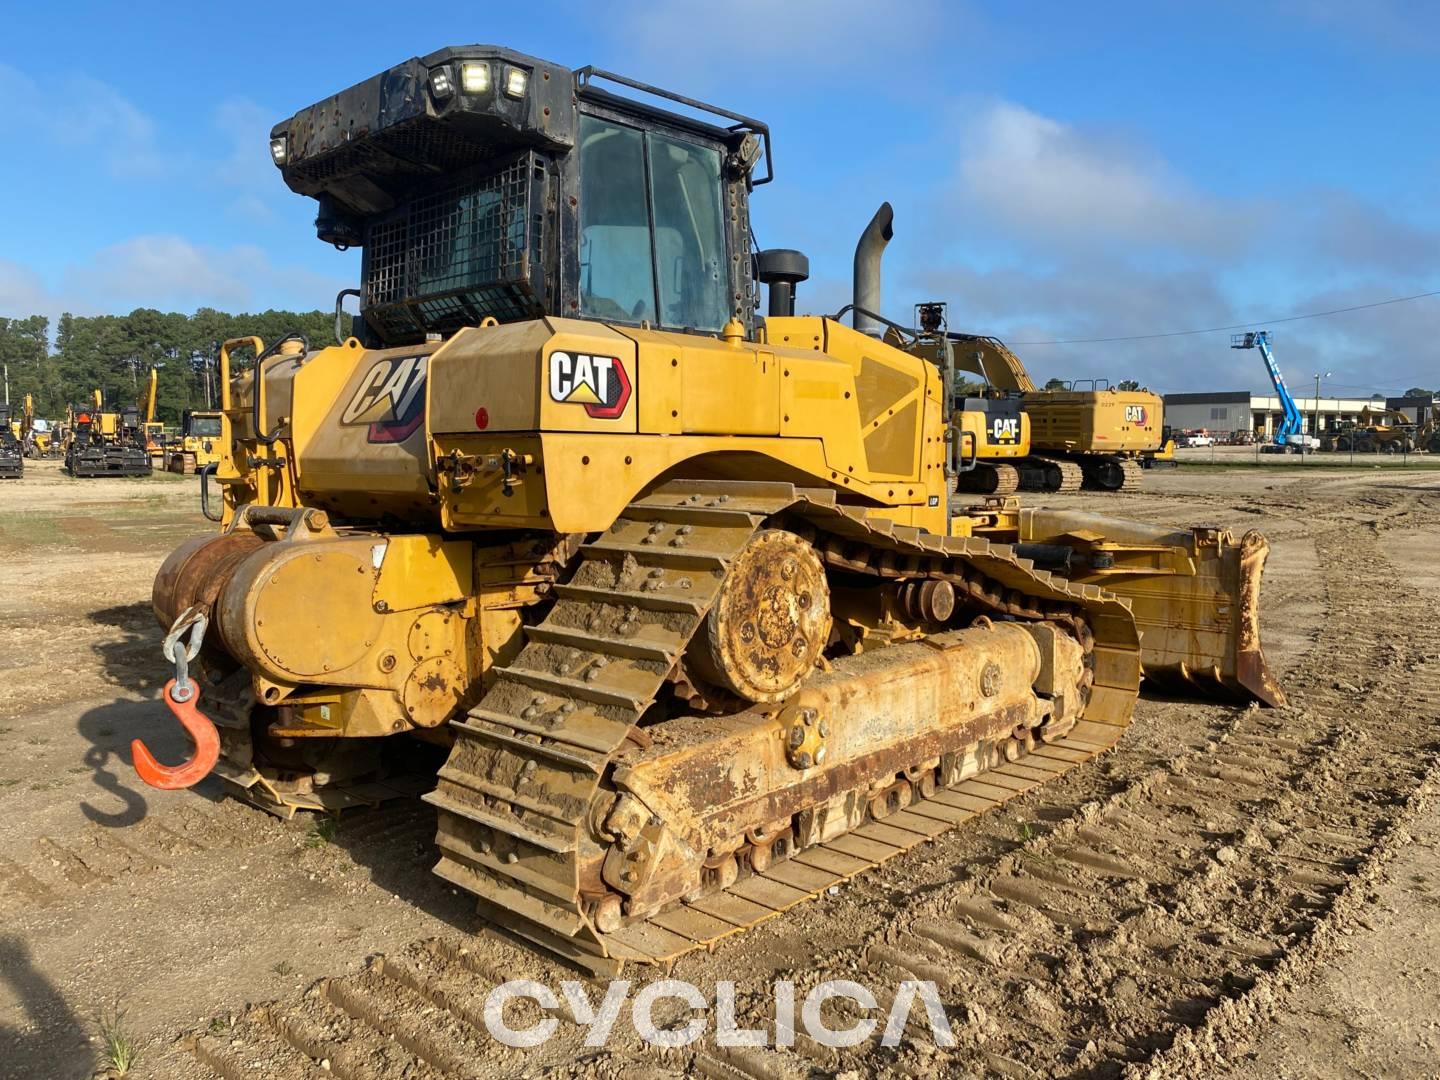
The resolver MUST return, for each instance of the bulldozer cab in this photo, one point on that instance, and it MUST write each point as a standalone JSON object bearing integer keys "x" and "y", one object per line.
{"x": 200, "y": 425}
{"x": 493, "y": 185}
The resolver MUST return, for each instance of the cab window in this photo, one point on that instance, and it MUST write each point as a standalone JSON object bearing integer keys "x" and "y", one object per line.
{"x": 652, "y": 239}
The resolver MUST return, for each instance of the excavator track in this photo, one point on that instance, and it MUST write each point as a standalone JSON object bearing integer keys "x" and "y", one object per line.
{"x": 1111, "y": 473}
{"x": 989, "y": 478}
{"x": 516, "y": 795}
{"x": 1039, "y": 473}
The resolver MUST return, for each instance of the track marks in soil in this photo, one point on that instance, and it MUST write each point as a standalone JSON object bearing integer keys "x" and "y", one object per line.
{"x": 1160, "y": 896}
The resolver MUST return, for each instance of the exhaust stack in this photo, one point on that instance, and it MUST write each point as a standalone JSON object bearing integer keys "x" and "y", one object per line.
{"x": 867, "y": 269}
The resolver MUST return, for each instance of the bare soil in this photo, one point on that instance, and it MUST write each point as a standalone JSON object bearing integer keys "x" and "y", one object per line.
{"x": 1231, "y": 892}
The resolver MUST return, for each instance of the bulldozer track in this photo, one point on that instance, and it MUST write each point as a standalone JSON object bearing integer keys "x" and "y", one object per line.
{"x": 514, "y": 796}
{"x": 1155, "y": 904}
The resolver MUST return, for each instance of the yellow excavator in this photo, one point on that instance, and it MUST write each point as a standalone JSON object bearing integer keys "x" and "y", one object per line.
{"x": 675, "y": 591}
{"x": 154, "y": 430}
{"x": 1089, "y": 434}
{"x": 37, "y": 437}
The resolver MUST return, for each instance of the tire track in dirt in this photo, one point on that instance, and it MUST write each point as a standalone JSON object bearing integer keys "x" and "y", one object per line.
{"x": 1076, "y": 970}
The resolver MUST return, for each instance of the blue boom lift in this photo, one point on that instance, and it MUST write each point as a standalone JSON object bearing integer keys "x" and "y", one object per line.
{"x": 1288, "y": 436}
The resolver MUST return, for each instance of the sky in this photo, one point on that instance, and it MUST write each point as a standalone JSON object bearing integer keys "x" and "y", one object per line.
{"x": 1059, "y": 171}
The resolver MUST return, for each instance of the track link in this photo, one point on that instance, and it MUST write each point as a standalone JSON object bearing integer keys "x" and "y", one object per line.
{"x": 515, "y": 794}
{"x": 1039, "y": 473}
{"x": 989, "y": 478}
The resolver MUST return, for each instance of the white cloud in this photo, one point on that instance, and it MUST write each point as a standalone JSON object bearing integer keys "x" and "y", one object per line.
{"x": 77, "y": 112}
{"x": 171, "y": 274}
{"x": 1050, "y": 181}
{"x": 21, "y": 290}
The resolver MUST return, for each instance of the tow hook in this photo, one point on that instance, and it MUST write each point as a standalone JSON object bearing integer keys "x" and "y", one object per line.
{"x": 181, "y": 695}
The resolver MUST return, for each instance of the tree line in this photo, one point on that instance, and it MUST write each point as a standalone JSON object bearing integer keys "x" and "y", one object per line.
{"x": 115, "y": 353}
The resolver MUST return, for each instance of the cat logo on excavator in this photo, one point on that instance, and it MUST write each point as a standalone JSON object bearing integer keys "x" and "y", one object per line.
{"x": 391, "y": 399}
{"x": 1135, "y": 414}
{"x": 1005, "y": 429}
{"x": 597, "y": 382}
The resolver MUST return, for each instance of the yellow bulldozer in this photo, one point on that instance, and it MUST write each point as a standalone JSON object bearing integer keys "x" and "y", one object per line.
{"x": 675, "y": 592}
{"x": 198, "y": 446}
{"x": 105, "y": 442}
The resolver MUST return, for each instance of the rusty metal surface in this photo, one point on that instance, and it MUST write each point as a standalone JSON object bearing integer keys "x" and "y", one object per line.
{"x": 1195, "y": 595}
{"x": 770, "y": 620}
{"x": 529, "y": 814}
{"x": 196, "y": 572}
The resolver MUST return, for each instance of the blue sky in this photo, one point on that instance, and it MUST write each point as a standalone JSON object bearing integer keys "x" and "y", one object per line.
{"x": 1058, "y": 170}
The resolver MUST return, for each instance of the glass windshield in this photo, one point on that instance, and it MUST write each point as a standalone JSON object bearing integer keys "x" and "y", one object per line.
{"x": 622, "y": 258}
{"x": 689, "y": 238}
{"x": 205, "y": 427}
{"x": 617, "y": 279}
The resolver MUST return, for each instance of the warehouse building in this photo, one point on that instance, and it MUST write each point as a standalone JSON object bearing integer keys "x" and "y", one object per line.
{"x": 1224, "y": 412}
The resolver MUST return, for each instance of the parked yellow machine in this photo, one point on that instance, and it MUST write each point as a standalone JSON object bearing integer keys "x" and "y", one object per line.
{"x": 155, "y": 438}
{"x": 37, "y": 437}
{"x": 677, "y": 591}
{"x": 105, "y": 442}
{"x": 1381, "y": 431}
{"x": 1090, "y": 434}
{"x": 198, "y": 445}
{"x": 12, "y": 457}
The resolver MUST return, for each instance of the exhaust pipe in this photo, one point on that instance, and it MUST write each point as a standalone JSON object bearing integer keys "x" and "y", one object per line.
{"x": 867, "y": 269}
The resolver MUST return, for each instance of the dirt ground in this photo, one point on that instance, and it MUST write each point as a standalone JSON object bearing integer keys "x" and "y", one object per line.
{"x": 1231, "y": 892}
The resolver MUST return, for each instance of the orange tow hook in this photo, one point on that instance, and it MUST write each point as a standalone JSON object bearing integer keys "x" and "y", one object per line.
{"x": 202, "y": 733}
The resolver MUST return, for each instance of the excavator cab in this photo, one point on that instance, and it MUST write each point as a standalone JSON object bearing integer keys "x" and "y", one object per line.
{"x": 494, "y": 185}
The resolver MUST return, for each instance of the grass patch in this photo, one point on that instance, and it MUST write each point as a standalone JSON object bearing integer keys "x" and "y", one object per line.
{"x": 322, "y": 831}
{"x": 119, "y": 1052}
{"x": 284, "y": 969}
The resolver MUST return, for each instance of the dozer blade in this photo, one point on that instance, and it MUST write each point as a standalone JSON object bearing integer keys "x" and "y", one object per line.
{"x": 1195, "y": 595}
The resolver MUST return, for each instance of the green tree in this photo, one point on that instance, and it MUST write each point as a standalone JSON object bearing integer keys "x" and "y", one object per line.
{"x": 1416, "y": 391}
{"x": 114, "y": 353}
{"x": 25, "y": 353}
{"x": 1055, "y": 384}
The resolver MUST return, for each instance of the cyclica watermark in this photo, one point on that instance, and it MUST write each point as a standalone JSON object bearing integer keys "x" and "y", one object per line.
{"x": 599, "y": 1018}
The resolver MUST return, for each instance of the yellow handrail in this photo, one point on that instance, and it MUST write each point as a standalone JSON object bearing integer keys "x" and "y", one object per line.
{"x": 259, "y": 347}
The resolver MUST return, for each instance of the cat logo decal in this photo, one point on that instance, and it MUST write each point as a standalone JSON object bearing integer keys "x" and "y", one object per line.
{"x": 600, "y": 383}
{"x": 390, "y": 400}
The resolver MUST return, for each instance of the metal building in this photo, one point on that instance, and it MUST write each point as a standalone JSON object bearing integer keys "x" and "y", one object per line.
{"x": 1224, "y": 412}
